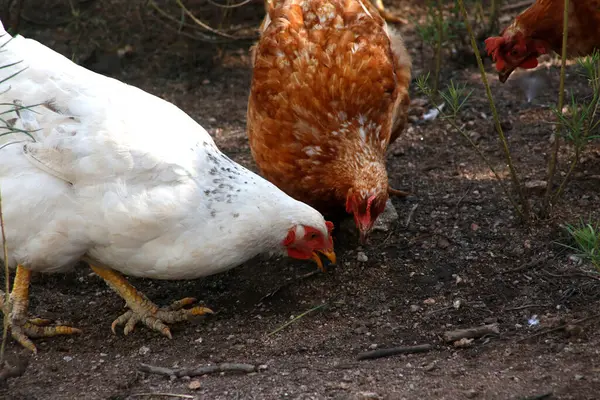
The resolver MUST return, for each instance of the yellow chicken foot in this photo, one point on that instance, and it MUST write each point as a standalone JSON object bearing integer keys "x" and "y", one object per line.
{"x": 22, "y": 328}
{"x": 142, "y": 309}
{"x": 388, "y": 16}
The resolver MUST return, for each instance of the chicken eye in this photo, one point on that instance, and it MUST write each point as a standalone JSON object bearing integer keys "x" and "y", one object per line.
{"x": 514, "y": 52}
{"x": 312, "y": 236}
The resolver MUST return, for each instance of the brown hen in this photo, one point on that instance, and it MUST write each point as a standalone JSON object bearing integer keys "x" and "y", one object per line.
{"x": 538, "y": 30}
{"x": 329, "y": 94}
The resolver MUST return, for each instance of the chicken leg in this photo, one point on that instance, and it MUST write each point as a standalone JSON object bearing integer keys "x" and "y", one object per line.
{"x": 142, "y": 309}
{"x": 21, "y": 327}
{"x": 388, "y": 16}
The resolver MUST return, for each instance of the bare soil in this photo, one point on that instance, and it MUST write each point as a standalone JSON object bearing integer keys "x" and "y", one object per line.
{"x": 461, "y": 260}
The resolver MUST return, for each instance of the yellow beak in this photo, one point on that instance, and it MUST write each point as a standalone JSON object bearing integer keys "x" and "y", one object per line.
{"x": 330, "y": 254}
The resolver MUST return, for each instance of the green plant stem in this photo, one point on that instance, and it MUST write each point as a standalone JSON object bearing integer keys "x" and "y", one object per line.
{"x": 524, "y": 212}
{"x": 561, "y": 99}
{"x": 494, "y": 7}
{"x": 578, "y": 147}
{"x": 438, "y": 47}
{"x": 7, "y": 286}
{"x": 488, "y": 163}
{"x": 564, "y": 182}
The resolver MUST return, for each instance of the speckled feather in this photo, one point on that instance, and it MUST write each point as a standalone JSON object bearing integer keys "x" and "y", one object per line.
{"x": 125, "y": 178}
{"x": 328, "y": 96}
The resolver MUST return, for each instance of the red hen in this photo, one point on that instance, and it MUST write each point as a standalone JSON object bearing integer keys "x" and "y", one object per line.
{"x": 329, "y": 94}
{"x": 538, "y": 30}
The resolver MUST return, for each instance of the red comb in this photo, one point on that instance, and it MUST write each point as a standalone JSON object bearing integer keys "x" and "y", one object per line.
{"x": 329, "y": 226}
{"x": 492, "y": 44}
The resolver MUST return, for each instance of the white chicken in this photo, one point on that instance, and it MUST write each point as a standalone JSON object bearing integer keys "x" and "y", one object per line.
{"x": 95, "y": 169}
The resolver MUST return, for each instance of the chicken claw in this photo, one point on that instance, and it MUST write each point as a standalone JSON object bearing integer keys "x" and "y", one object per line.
{"x": 145, "y": 311}
{"x": 156, "y": 318}
{"x": 22, "y": 328}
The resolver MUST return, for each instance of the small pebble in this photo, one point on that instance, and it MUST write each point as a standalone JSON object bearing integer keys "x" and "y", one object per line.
{"x": 144, "y": 350}
{"x": 67, "y": 358}
{"x": 362, "y": 257}
{"x": 194, "y": 385}
{"x": 443, "y": 243}
{"x": 429, "y": 367}
{"x": 464, "y": 342}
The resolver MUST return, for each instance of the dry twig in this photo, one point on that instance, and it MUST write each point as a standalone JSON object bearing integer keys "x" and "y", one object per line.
{"x": 180, "y": 396}
{"x": 528, "y": 306}
{"x": 469, "y": 333}
{"x": 538, "y": 397}
{"x": 200, "y": 23}
{"x": 198, "y": 371}
{"x": 296, "y": 319}
{"x": 410, "y": 214}
{"x": 531, "y": 264}
{"x": 221, "y": 37}
{"x": 392, "y": 351}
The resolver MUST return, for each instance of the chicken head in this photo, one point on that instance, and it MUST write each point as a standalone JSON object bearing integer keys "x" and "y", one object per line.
{"x": 513, "y": 49}
{"x": 306, "y": 242}
{"x": 365, "y": 207}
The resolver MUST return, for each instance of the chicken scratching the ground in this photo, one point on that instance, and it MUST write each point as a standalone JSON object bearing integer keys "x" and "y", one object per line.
{"x": 329, "y": 94}
{"x": 538, "y": 30}
{"x": 98, "y": 170}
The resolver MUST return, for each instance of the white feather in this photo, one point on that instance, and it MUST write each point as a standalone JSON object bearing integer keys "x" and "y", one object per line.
{"x": 124, "y": 178}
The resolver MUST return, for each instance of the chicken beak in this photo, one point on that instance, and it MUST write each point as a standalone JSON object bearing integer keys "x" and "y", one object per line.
{"x": 503, "y": 75}
{"x": 330, "y": 254}
{"x": 363, "y": 237}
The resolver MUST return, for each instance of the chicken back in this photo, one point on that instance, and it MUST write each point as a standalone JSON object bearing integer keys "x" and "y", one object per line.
{"x": 329, "y": 94}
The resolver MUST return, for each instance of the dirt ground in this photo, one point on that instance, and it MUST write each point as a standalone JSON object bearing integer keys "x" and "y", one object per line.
{"x": 457, "y": 257}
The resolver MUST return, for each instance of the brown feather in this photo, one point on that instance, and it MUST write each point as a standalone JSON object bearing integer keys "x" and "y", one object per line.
{"x": 544, "y": 20}
{"x": 327, "y": 91}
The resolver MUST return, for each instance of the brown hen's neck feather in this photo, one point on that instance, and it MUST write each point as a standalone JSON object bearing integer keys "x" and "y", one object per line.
{"x": 540, "y": 21}
{"x": 544, "y": 20}
{"x": 360, "y": 167}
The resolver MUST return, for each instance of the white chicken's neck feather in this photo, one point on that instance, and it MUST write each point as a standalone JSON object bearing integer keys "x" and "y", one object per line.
{"x": 125, "y": 178}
